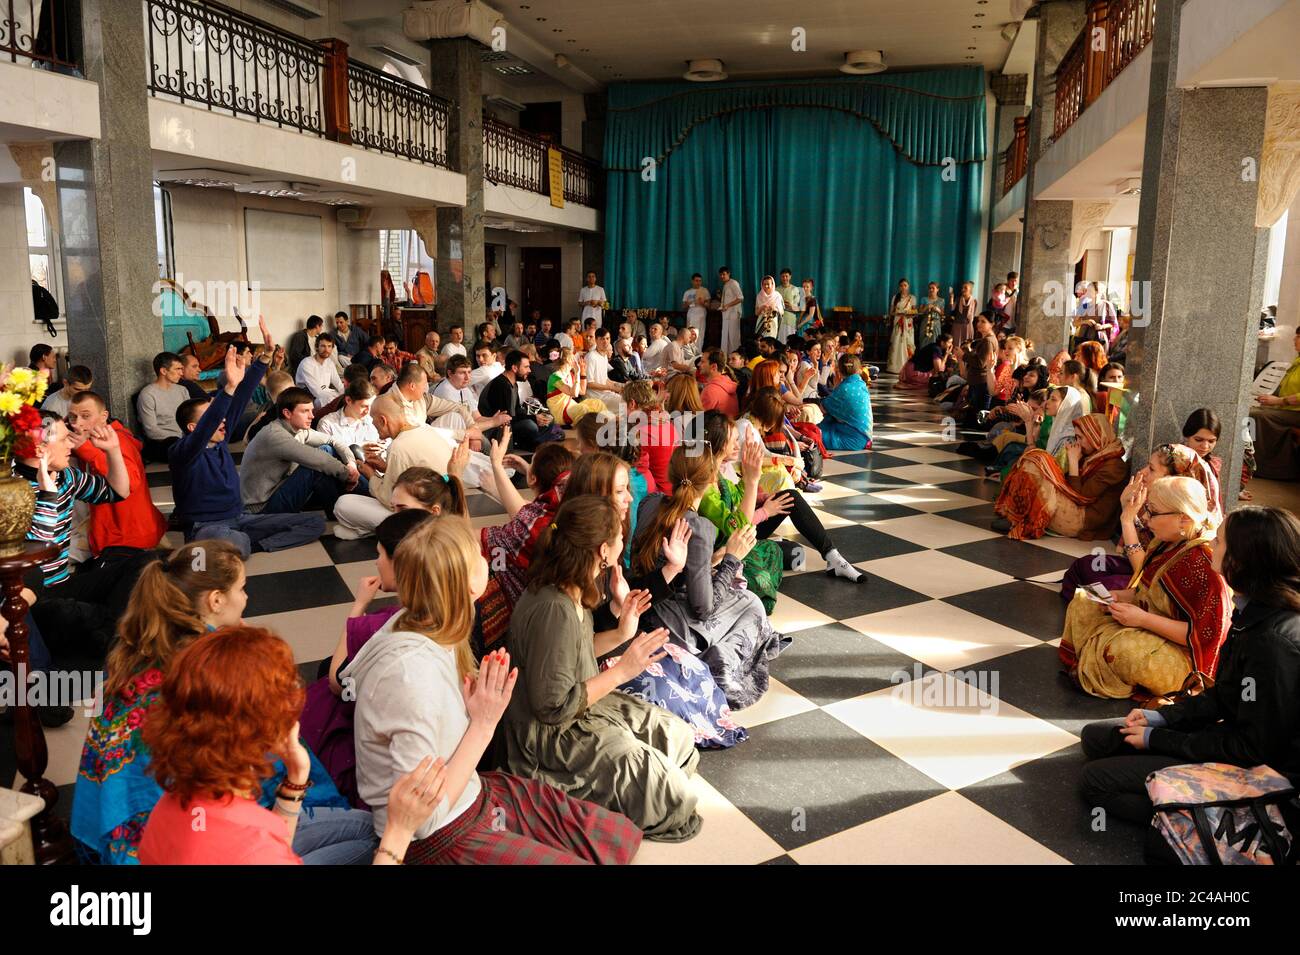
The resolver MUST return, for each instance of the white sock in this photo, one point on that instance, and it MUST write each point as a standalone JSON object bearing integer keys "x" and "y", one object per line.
{"x": 840, "y": 567}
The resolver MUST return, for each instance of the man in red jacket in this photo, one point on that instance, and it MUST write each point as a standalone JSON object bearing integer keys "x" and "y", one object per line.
{"x": 135, "y": 521}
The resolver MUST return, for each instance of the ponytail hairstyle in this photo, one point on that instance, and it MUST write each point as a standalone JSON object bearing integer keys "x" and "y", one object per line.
{"x": 433, "y": 567}
{"x": 767, "y": 410}
{"x": 1261, "y": 555}
{"x": 848, "y": 365}
{"x": 569, "y": 547}
{"x": 432, "y": 490}
{"x": 163, "y": 613}
{"x": 690, "y": 475}
{"x": 551, "y": 462}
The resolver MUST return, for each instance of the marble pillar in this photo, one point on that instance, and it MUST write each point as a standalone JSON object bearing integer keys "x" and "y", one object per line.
{"x": 104, "y": 192}
{"x": 1199, "y": 347}
{"x": 461, "y": 279}
{"x": 1002, "y": 252}
{"x": 1046, "y": 274}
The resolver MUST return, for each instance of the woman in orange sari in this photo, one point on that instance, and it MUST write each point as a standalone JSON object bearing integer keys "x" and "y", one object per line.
{"x": 1080, "y": 501}
{"x": 1165, "y": 632}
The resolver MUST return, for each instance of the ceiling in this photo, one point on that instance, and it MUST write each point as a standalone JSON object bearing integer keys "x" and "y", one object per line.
{"x": 610, "y": 41}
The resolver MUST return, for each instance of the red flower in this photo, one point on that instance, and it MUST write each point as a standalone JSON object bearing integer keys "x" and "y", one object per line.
{"x": 134, "y": 719}
{"x": 26, "y": 424}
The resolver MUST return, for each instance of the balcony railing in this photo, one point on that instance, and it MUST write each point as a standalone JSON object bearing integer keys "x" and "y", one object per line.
{"x": 207, "y": 55}
{"x": 34, "y": 30}
{"x": 1016, "y": 157}
{"x": 513, "y": 157}
{"x": 392, "y": 116}
{"x": 1122, "y": 29}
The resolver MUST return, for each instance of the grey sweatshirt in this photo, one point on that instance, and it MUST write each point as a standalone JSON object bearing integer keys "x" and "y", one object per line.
{"x": 157, "y": 409}
{"x": 409, "y": 706}
{"x": 277, "y": 451}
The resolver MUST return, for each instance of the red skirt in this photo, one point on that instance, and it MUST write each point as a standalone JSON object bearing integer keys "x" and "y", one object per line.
{"x": 518, "y": 821}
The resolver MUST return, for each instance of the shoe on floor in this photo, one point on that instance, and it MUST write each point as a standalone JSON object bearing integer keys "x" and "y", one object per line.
{"x": 1001, "y": 525}
{"x": 344, "y": 533}
{"x": 54, "y": 716}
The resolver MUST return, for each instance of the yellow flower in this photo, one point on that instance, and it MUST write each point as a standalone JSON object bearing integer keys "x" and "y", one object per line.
{"x": 21, "y": 378}
{"x": 9, "y": 403}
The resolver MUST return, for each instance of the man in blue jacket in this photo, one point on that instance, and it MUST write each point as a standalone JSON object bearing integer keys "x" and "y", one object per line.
{"x": 205, "y": 481}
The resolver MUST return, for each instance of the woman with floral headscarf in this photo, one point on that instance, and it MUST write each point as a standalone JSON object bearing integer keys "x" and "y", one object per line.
{"x": 1080, "y": 500}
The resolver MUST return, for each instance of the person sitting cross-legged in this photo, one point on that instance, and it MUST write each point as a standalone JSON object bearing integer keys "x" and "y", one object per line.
{"x": 156, "y": 406}
{"x": 206, "y": 483}
{"x": 290, "y": 468}
{"x": 135, "y": 523}
{"x": 359, "y": 514}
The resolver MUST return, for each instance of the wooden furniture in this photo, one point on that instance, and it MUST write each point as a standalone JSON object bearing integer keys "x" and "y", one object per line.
{"x": 414, "y": 322}
{"x": 368, "y": 318}
{"x": 50, "y": 837}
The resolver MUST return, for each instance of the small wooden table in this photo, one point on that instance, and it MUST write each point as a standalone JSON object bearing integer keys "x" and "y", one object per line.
{"x": 50, "y": 837}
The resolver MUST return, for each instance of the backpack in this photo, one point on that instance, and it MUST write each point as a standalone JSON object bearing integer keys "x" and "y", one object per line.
{"x": 1219, "y": 814}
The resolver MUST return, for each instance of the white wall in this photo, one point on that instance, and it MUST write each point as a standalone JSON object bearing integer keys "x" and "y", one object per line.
{"x": 208, "y": 229}
{"x": 18, "y": 331}
{"x": 570, "y": 245}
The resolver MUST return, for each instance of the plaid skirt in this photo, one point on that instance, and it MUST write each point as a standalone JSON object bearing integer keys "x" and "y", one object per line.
{"x": 519, "y": 821}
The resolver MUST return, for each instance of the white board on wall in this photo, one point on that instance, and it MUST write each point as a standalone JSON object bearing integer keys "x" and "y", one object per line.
{"x": 284, "y": 251}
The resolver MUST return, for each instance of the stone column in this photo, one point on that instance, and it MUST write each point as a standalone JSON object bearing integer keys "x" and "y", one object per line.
{"x": 1046, "y": 274}
{"x": 461, "y": 281}
{"x": 1200, "y": 258}
{"x": 106, "y": 217}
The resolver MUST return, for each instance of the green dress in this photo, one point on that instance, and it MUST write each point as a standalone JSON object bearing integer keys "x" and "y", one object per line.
{"x": 762, "y": 567}
{"x": 620, "y": 752}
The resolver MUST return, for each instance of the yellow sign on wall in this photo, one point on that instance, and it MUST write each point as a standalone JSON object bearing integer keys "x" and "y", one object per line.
{"x": 555, "y": 166}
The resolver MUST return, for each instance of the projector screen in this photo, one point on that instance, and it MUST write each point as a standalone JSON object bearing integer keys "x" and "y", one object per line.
{"x": 284, "y": 251}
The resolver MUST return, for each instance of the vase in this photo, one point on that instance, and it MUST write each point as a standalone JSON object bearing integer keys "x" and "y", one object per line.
{"x": 17, "y": 505}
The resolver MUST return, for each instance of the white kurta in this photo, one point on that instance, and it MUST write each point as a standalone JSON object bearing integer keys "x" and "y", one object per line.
{"x": 696, "y": 301}
{"x": 731, "y": 316}
{"x": 591, "y": 299}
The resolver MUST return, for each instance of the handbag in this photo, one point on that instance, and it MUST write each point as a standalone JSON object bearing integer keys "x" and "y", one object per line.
{"x": 812, "y": 462}
{"x": 1219, "y": 814}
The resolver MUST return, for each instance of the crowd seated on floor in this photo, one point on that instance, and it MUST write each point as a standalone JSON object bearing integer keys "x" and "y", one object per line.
{"x": 543, "y": 684}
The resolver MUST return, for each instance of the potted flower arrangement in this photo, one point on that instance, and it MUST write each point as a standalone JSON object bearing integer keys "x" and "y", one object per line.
{"x": 21, "y": 391}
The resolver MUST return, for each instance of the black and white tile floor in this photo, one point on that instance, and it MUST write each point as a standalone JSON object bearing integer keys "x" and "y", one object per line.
{"x": 921, "y": 718}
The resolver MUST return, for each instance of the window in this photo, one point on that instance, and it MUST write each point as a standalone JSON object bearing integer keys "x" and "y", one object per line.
{"x": 42, "y": 256}
{"x": 162, "y": 220}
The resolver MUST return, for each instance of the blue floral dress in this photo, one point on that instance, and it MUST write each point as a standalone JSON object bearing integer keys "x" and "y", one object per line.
{"x": 115, "y": 794}
{"x": 682, "y": 684}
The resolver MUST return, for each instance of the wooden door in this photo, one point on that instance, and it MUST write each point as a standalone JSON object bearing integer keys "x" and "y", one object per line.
{"x": 541, "y": 267}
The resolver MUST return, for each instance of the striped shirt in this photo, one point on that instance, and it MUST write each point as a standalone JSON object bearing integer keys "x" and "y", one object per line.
{"x": 52, "y": 523}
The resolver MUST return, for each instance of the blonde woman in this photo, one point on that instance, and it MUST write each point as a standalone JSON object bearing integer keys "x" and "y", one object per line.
{"x": 419, "y": 692}
{"x": 566, "y": 390}
{"x": 1169, "y": 626}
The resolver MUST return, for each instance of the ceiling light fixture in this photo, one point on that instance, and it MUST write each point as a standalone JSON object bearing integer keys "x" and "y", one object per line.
{"x": 860, "y": 62}
{"x": 704, "y": 71}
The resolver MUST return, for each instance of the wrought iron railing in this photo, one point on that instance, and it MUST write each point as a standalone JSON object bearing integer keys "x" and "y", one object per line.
{"x": 1016, "y": 157}
{"x": 208, "y": 55}
{"x": 393, "y": 116}
{"x": 205, "y": 54}
{"x": 1113, "y": 34}
{"x": 38, "y": 30}
{"x": 513, "y": 157}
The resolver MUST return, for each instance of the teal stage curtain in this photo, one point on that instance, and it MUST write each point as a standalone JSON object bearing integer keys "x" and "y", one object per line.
{"x": 854, "y": 182}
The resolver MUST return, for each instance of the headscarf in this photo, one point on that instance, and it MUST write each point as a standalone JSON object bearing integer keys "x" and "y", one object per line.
{"x": 1182, "y": 461}
{"x": 765, "y": 300}
{"x": 1072, "y": 407}
{"x": 1097, "y": 430}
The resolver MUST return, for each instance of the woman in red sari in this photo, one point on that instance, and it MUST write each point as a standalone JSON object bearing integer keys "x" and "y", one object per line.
{"x": 1080, "y": 500}
{"x": 1164, "y": 633}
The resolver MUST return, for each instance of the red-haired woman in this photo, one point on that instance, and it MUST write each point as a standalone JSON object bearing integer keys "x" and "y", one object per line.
{"x": 230, "y": 699}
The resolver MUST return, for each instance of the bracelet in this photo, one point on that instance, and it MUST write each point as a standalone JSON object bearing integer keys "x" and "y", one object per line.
{"x": 295, "y": 787}
{"x": 1131, "y": 548}
{"x": 291, "y": 809}
{"x": 390, "y": 853}
{"x": 301, "y": 797}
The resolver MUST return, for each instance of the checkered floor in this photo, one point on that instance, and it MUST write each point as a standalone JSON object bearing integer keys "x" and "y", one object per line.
{"x": 921, "y": 718}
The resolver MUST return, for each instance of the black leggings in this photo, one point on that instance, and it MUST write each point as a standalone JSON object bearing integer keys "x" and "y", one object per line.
{"x": 805, "y": 521}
